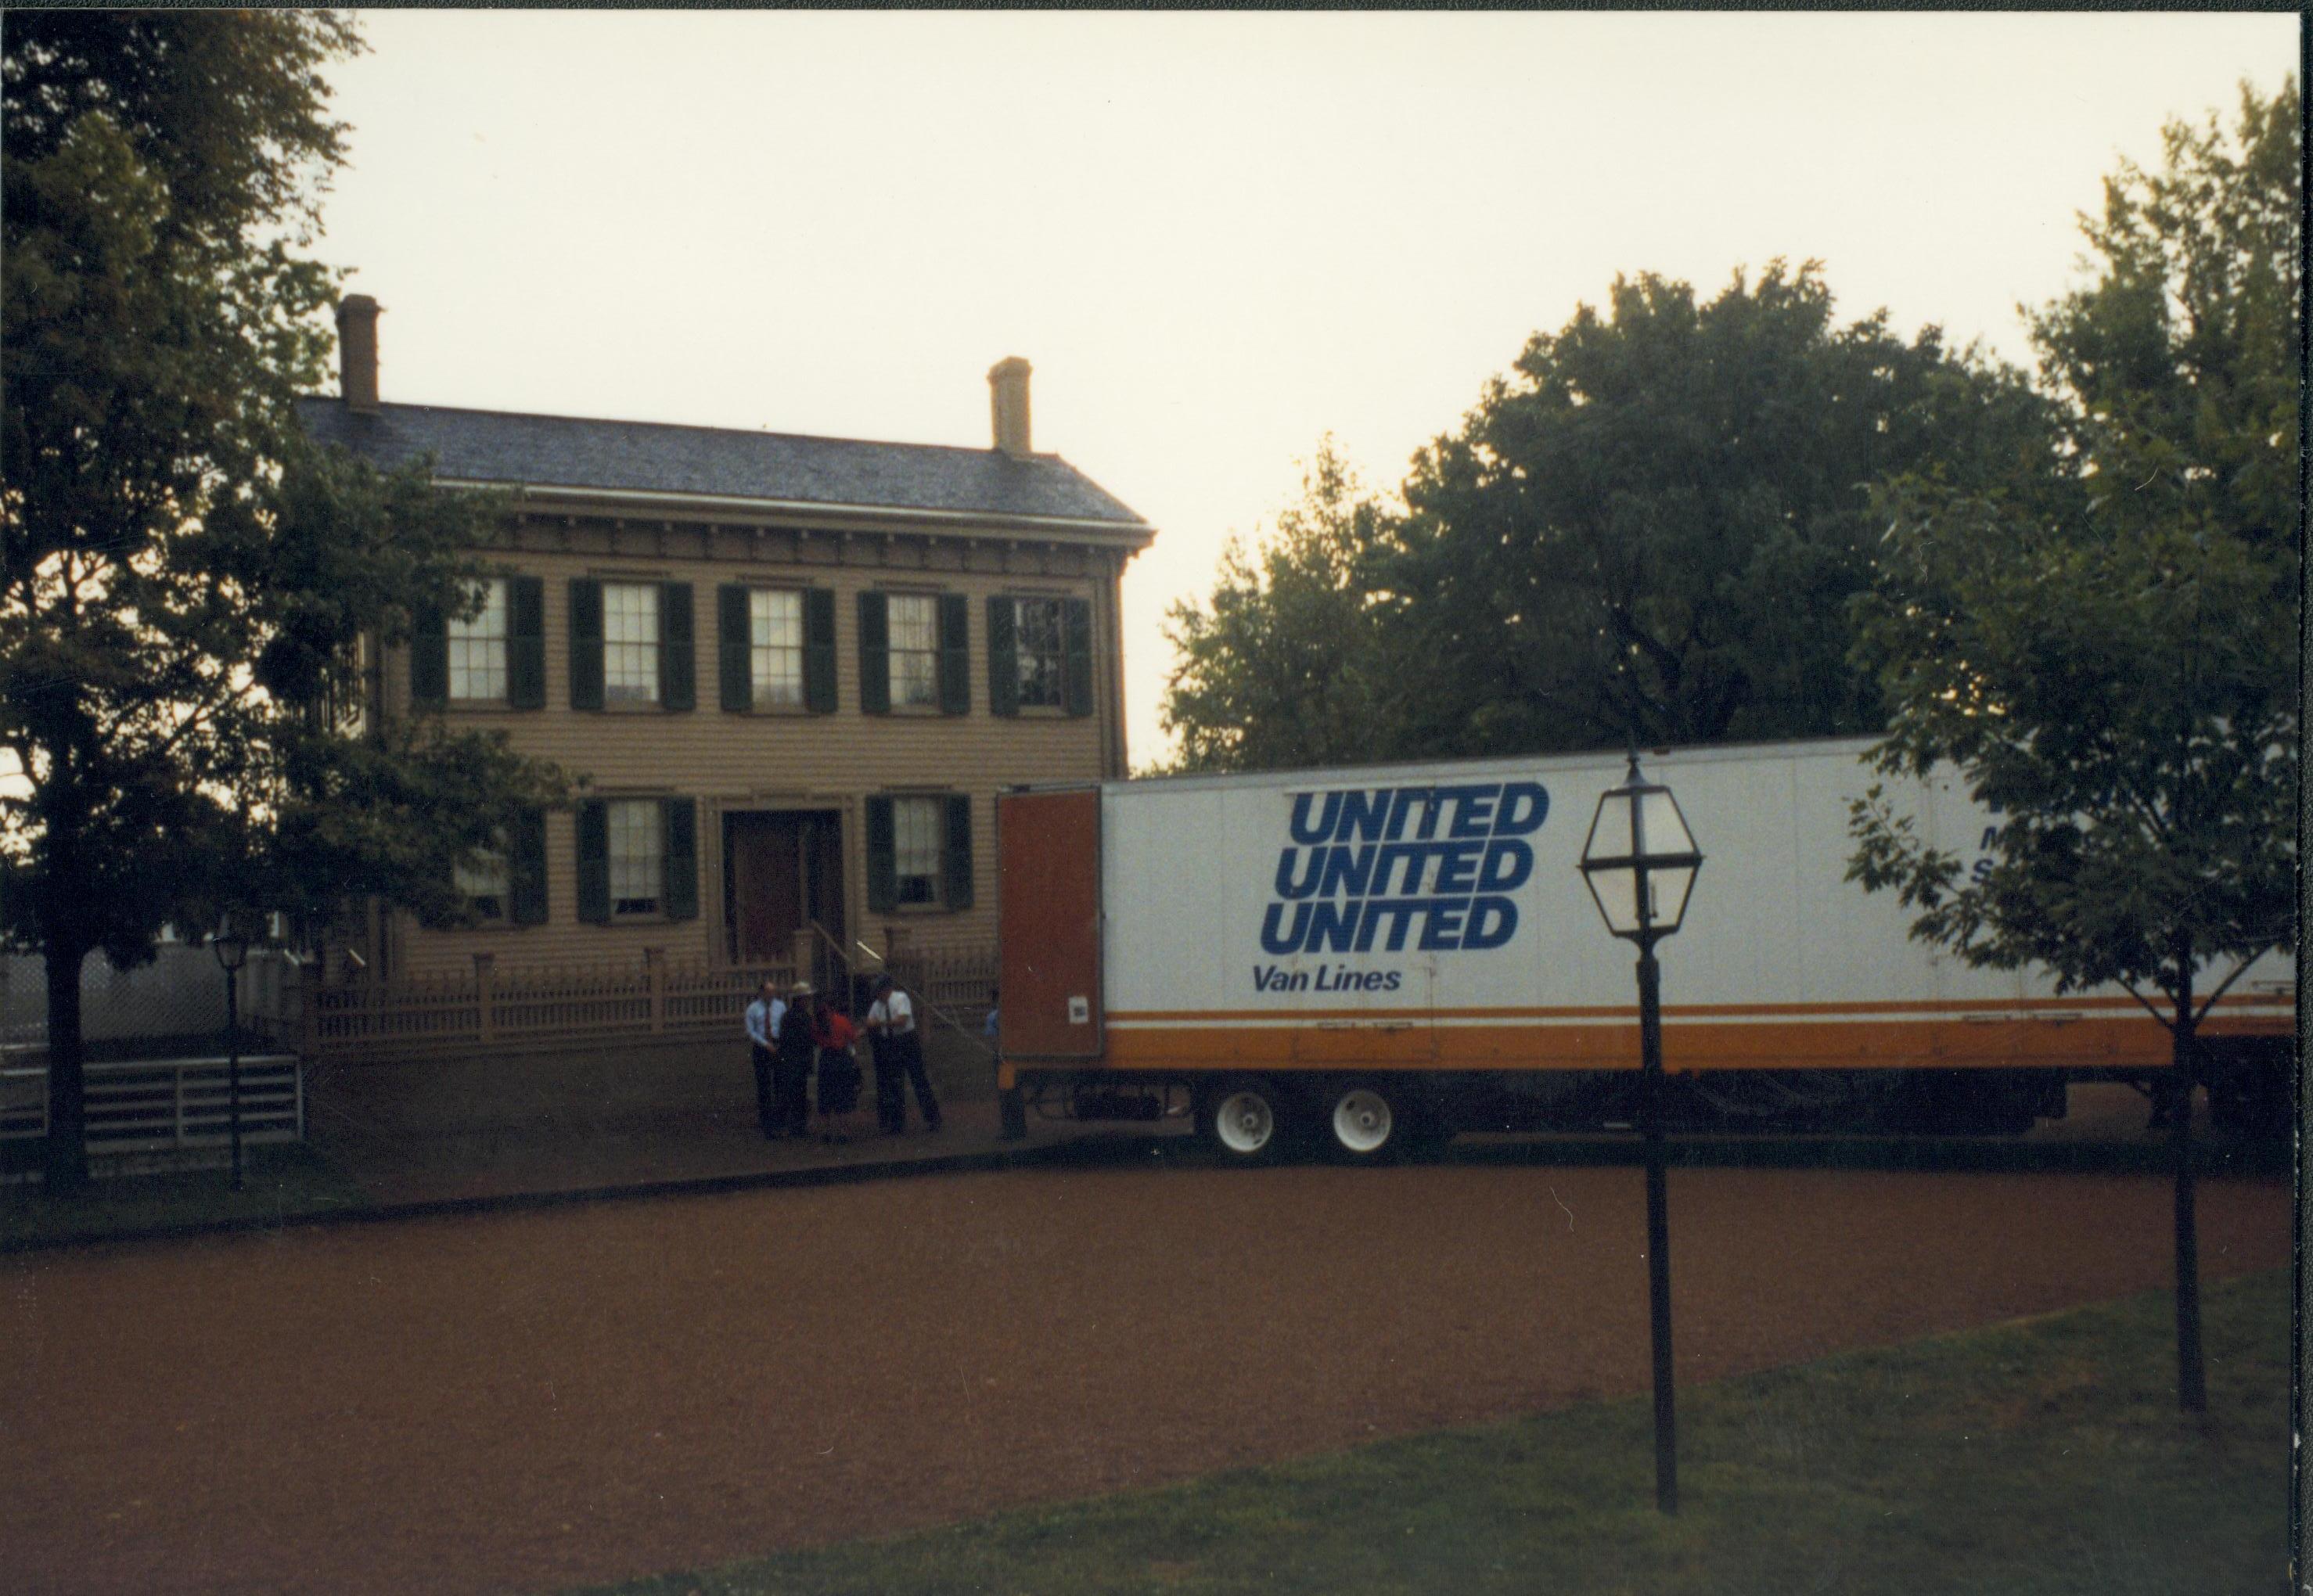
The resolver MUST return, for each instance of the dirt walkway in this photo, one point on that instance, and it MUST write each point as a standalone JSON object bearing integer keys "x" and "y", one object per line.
{"x": 530, "y": 1402}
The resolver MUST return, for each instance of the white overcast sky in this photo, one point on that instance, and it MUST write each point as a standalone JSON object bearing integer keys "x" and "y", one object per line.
{"x": 1216, "y": 237}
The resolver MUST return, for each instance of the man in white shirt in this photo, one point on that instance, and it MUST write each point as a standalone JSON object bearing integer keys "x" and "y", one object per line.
{"x": 763, "y": 1016}
{"x": 898, "y": 1059}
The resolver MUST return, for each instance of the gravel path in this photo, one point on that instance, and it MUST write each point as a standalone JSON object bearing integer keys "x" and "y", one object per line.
{"x": 533, "y": 1401}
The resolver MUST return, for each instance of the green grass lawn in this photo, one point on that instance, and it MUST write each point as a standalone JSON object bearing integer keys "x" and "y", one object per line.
{"x": 280, "y": 1181}
{"x": 2043, "y": 1456}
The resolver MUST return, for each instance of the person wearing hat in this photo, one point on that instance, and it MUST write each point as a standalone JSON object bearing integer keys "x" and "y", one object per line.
{"x": 898, "y": 1059}
{"x": 792, "y": 1049}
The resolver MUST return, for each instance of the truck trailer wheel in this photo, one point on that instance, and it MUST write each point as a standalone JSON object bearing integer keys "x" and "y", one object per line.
{"x": 1367, "y": 1122}
{"x": 1244, "y": 1120}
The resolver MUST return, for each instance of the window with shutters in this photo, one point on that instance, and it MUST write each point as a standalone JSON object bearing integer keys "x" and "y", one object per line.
{"x": 638, "y": 857}
{"x": 345, "y": 708}
{"x": 918, "y": 825}
{"x": 486, "y": 883}
{"x": 775, "y": 640}
{"x": 478, "y": 648}
{"x": 914, "y": 621}
{"x": 630, "y": 651}
{"x": 1041, "y": 645}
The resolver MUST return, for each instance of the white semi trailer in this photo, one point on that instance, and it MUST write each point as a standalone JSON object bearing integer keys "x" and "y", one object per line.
{"x": 1371, "y": 957}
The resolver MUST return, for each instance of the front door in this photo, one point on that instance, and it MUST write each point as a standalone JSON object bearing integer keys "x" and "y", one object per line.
{"x": 783, "y": 871}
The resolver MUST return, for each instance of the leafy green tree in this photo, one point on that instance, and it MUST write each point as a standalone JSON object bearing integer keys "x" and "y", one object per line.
{"x": 188, "y": 583}
{"x": 1656, "y": 526}
{"x": 2110, "y": 661}
{"x": 1284, "y": 666}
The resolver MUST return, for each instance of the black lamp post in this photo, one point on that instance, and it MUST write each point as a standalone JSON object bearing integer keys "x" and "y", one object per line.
{"x": 1639, "y": 863}
{"x": 230, "y": 946}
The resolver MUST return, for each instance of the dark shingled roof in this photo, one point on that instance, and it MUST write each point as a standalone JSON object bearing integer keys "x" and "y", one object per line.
{"x": 651, "y": 457}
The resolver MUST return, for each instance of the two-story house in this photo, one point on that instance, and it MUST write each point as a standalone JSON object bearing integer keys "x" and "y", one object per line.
{"x": 795, "y": 670}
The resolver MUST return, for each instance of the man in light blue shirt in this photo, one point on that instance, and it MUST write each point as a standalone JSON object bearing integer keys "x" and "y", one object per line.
{"x": 763, "y": 1016}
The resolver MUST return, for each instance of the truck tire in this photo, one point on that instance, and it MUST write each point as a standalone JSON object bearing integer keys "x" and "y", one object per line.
{"x": 1368, "y": 1121}
{"x": 1246, "y": 1120}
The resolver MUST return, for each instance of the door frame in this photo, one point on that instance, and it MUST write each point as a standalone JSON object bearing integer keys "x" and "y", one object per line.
{"x": 830, "y": 811}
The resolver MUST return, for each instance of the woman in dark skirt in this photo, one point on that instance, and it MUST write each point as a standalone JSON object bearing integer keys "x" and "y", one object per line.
{"x": 838, "y": 1070}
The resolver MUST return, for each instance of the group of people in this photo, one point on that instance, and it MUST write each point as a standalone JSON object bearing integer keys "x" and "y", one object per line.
{"x": 806, "y": 1034}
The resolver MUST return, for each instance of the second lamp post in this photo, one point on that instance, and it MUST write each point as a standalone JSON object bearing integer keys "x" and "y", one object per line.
{"x": 231, "y": 945}
{"x": 1639, "y": 863}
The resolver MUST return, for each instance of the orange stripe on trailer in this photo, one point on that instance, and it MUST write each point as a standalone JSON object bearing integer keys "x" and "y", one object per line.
{"x": 2086, "y": 1042}
{"x": 2260, "y": 1005}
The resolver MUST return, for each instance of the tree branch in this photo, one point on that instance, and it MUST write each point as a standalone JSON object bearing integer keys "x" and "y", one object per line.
{"x": 2225, "y": 986}
{"x": 2166, "y": 1023}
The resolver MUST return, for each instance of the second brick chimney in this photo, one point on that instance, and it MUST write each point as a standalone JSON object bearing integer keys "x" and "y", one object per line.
{"x": 1007, "y": 404}
{"x": 358, "y": 353}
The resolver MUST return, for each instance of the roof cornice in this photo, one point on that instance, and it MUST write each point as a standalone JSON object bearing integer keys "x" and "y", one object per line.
{"x": 1134, "y": 534}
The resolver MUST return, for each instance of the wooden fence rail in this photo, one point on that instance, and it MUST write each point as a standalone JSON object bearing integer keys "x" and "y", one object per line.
{"x": 486, "y": 1009}
{"x": 518, "y": 1009}
{"x": 164, "y": 1104}
{"x": 962, "y": 980}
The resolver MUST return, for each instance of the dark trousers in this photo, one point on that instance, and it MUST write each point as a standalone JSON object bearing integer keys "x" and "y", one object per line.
{"x": 767, "y": 1097}
{"x": 900, "y": 1060}
{"x": 791, "y": 1092}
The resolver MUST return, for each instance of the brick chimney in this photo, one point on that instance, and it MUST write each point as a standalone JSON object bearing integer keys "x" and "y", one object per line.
{"x": 1007, "y": 404}
{"x": 358, "y": 353}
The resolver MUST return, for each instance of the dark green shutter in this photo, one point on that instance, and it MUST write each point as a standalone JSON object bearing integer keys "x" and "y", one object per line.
{"x": 1075, "y": 674}
{"x": 594, "y": 862}
{"x": 956, "y": 863}
{"x": 682, "y": 858}
{"x": 526, "y": 865}
{"x": 1003, "y": 659}
{"x": 955, "y": 654}
{"x": 430, "y": 655}
{"x": 734, "y": 641}
{"x": 585, "y": 643}
{"x": 678, "y": 648}
{"x": 819, "y": 651}
{"x": 875, "y": 654}
{"x": 525, "y": 642}
{"x": 882, "y": 869}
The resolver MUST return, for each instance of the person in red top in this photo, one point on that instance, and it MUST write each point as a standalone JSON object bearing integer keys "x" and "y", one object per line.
{"x": 839, "y": 1069}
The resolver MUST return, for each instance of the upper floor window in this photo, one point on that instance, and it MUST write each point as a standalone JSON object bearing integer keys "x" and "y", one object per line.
{"x": 775, "y": 650}
{"x": 1040, "y": 656}
{"x": 776, "y": 647}
{"x": 478, "y": 648}
{"x": 345, "y": 707}
{"x": 630, "y": 643}
{"x": 914, "y": 650}
{"x": 1041, "y": 652}
{"x": 494, "y": 658}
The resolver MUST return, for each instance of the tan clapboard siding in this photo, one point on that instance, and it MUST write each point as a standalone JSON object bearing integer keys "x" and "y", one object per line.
{"x": 775, "y": 759}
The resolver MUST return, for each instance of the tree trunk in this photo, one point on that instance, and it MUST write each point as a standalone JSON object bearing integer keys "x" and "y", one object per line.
{"x": 66, "y": 1168}
{"x": 2192, "y": 1380}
